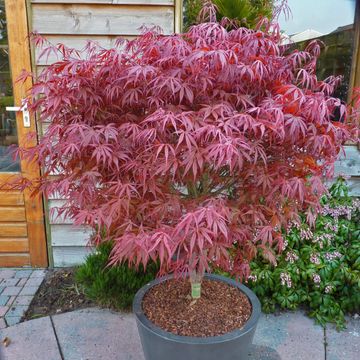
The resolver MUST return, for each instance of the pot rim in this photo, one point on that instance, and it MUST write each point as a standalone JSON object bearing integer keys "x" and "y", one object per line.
{"x": 150, "y": 326}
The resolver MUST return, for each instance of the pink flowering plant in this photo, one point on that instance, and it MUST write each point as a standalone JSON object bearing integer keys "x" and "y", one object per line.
{"x": 192, "y": 150}
{"x": 320, "y": 266}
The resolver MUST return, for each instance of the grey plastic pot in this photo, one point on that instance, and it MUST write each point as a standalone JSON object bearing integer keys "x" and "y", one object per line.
{"x": 161, "y": 345}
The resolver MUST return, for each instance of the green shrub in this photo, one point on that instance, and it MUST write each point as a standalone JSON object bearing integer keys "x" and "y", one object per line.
{"x": 320, "y": 267}
{"x": 116, "y": 286}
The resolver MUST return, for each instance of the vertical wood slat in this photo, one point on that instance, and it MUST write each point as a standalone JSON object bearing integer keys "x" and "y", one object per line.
{"x": 19, "y": 49}
{"x": 355, "y": 67}
{"x": 178, "y": 13}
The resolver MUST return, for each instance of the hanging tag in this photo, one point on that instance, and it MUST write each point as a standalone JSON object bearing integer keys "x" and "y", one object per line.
{"x": 195, "y": 290}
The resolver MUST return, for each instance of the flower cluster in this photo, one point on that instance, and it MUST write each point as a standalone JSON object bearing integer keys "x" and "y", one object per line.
{"x": 328, "y": 289}
{"x": 293, "y": 225}
{"x": 323, "y": 239}
{"x": 331, "y": 256}
{"x": 291, "y": 257}
{"x": 253, "y": 278}
{"x": 341, "y": 210}
{"x": 316, "y": 279}
{"x": 285, "y": 278}
{"x": 314, "y": 258}
{"x": 306, "y": 234}
{"x": 332, "y": 227}
{"x": 356, "y": 204}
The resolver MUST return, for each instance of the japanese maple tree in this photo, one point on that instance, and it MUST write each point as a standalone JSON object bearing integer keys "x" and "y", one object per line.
{"x": 194, "y": 150}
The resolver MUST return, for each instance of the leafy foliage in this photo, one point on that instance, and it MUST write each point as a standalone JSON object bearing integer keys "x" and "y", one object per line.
{"x": 246, "y": 12}
{"x": 193, "y": 150}
{"x": 192, "y": 9}
{"x": 243, "y": 12}
{"x": 319, "y": 268}
{"x": 111, "y": 286}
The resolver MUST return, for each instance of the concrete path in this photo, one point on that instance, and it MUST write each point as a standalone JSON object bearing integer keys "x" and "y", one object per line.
{"x": 17, "y": 289}
{"x": 95, "y": 334}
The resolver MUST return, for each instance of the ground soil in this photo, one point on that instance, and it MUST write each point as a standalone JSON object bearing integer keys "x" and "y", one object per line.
{"x": 222, "y": 308}
{"x": 57, "y": 294}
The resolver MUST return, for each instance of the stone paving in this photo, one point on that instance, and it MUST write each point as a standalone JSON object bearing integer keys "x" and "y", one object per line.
{"x": 98, "y": 334}
{"x": 17, "y": 289}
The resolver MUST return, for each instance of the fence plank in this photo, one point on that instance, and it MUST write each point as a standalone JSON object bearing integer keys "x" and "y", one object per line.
{"x": 69, "y": 235}
{"x": 77, "y": 42}
{"x": 100, "y": 20}
{"x": 70, "y": 256}
{"x": 349, "y": 164}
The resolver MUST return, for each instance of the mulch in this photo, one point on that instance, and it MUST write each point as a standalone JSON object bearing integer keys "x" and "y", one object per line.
{"x": 222, "y": 308}
{"x": 57, "y": 294}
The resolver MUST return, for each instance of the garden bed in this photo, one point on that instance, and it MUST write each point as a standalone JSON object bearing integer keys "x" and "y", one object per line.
{"x": 57, "y": 294}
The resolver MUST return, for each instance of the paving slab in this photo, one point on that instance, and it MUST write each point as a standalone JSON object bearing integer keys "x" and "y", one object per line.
{"x": 2, "y": 323}
{"x": 7, "y": 273}
{"x": 23, "y": 273}
{"x": 10, "y": 282}
{"x": 28, "y": 290}
{"x": 4, "y": 299}
{"x": 3, "y": 310}
{"x": 11, "y": 290}
{"x": 12, "y": 320}
{"x": 17, "y": 310}
{"x": 95, "y": 334}
{"x": 31, "y": 340}
{"x": 344, "y": 345}
{"x": 38, "y": 273}
{"x": 259, "y": 352}
{"x": 34, "y": 281}
{"x": 11, "y": 300}
{"x": 289, "y": 336}
{"x": 22, "y": 281}
{"x": 23, "y": 300}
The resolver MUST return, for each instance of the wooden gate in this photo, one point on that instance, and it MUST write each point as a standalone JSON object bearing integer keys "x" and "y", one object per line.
{"x": 22, "y": 229}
